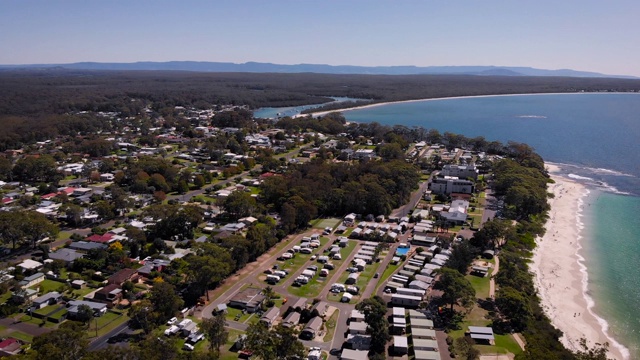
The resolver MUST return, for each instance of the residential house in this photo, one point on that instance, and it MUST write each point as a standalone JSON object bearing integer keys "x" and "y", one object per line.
{"x": 109, "y": 294}
{"x": 68, "y": 256}
{"x": 47, "y": 299}
{"x": 73, "y": 306}
{"x": 30, "y": 265}
{"x": 86, "y": 246}
{"x": 248, "y": 299}
{"x": 270, "y": 316}
{"x": 312, "y": 328}
{"x": 24, "y": 295}
{"x": 291, "y": 320}
{"x": 32, "y": 280}
{"x": 122, "y": 276}
{"x": 9, "y": 347}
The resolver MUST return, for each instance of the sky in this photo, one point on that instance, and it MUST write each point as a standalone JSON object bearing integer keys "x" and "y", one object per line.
{"x": 586, "y": 35}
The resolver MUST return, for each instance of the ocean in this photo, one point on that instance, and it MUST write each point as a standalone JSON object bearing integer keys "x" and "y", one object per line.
{"x": 595, "y": 139}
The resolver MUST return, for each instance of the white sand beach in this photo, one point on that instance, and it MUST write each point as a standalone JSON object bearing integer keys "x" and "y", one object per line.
{"x": 560, "y": 275}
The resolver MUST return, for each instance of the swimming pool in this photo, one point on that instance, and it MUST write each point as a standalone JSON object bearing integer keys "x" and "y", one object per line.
{"x": 402, "y": 251}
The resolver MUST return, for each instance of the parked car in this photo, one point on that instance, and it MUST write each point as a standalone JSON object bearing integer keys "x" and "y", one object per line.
{"x": 187, "y": 347}
{"x": 172, "y": 321}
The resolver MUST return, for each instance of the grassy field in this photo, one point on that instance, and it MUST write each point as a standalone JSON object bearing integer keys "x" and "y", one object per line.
{"x": 106, "y": 323}
{"x": 323, "y": 223}
{"x": 316, "y": 284}
{"x": 331, "y": 326}
{"x": 48, "y": 309}
{"x": 387, "y": 274}
{"x": 233, "y": 312}
{"x": 225, "y": 350}
{"x": 480, "y": 284}
{"x": 39, "y": 322}
{"x": 48, "y": 286}
{"x": 365, "y": 277}
{"x": 311, "y": 289}
{"x": 21, "y": 336}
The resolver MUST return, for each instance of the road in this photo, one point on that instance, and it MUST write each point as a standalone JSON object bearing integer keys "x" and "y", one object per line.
{"x": 413, "y": 200}
{"x": 102, "y": 341}
{"x": 490, "y": 207}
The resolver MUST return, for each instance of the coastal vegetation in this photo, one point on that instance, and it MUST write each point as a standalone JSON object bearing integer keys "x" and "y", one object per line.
{"x": 37, "y": 105}
{"x": 331, "y": 180}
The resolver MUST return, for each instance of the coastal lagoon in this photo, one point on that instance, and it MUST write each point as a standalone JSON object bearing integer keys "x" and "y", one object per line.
{"x": 595, "y": 139}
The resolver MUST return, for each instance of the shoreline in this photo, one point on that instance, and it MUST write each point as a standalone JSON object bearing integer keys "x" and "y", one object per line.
{"x": 561, "y": 277}
{"x": 322, "y": 113}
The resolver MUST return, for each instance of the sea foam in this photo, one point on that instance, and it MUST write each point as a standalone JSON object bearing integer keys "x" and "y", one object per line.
{"x": 604, "y": 325}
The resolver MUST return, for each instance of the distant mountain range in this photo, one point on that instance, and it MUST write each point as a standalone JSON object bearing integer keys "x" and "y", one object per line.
{"x": 257, "y": 67}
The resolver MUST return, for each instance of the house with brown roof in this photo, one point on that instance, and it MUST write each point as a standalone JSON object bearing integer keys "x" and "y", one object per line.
{"x": 122, "y": 276}
{"x": 109, "y": 294}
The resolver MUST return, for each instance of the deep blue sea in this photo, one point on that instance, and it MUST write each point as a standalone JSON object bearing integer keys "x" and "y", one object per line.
{"x": 596, "y": 140}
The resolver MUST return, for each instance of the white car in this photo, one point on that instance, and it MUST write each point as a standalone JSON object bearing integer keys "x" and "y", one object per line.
{"x": 188, "y": 347}
{"x": 172, "y": 321}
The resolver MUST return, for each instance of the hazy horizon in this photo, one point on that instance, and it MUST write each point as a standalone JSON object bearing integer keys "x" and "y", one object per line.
{"x": 584, "y": 36}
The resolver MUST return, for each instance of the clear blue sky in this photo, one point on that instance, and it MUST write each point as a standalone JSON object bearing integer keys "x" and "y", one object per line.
{"x": 601, "y": 36}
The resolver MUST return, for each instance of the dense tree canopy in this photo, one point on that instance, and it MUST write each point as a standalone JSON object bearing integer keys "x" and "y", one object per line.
{"x": 375, "y": 310}
{"x": 455, "y": 287}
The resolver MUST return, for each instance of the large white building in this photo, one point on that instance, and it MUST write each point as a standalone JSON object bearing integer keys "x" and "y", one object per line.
{"x": 448, "y": 184}
{"x": 460, "y": 171}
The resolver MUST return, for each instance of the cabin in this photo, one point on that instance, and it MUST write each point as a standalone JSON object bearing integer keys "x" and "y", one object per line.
{"x": 311, "y": 329}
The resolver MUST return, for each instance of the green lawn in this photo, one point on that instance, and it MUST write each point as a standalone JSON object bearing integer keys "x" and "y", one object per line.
{"x": 64, "y": 235}
{"x": 82, "y": 292}
{"x": 508, "y": 343}
{"x": 5, "y": 297}
{"x": 48, "y": 286}
{"x": 225, "y": 350}
{"x": 314, "y": 286}
{"x": 106, "y": 323}
{"x": 58, "y": 315}
{"x": 323, "y": 223}
{"x": 310, "y": 290}
{"x": 38, "y": 322}
{"x": 21, "y": 336}
{"x": 232, "y": 313}
{"x": 365, "y": 277}
{"x": 47, "y": 309}
{"x": 387, "y": 274}
{"x": 480, "y": 284}
{"x": 331, "y": 326}
{"x": 203, "y": 199}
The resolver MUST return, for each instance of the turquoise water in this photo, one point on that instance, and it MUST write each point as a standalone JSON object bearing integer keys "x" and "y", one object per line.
{"x": 596, "y": 140}
{"x": 612, "y": 252}
{"x": 402, "y": 251}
